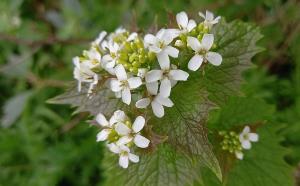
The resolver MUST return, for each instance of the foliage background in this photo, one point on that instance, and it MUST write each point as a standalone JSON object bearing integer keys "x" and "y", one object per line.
{"x": 43, "y": 144}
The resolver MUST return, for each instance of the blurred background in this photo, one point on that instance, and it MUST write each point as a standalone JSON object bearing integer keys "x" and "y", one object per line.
{"x": 43, "y": 144}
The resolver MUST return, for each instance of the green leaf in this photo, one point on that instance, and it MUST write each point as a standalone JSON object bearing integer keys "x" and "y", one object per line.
{"x": 184, "y": 123}
{"x": 240, "y": 111}
{"x": 163, "y": 167}
{"x": 236, "y": 41}
{"x": 103, "y": 101}
{"x": 13, "y": 108}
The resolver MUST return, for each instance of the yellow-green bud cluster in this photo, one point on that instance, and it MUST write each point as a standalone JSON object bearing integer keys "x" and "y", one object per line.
{"x": 230, "y": 142}
{"x": 134, "y": 56}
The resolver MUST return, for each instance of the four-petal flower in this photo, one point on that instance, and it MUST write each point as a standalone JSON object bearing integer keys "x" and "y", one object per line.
{"x": 246, "y": 137}
{"x": 202, "y": 52}
{"x": 124, "y": 84}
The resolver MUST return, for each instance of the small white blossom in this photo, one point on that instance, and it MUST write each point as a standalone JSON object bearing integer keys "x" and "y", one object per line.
{"x": 167, "y": 77}
{"x": 108, "y": 126}
{"x": 109, "y": 60}
{"x": 157, "y": 101}
{"x": 93, "y": 57}
{"x": 124, "y": 153}
{"x": 185, "y": 25}
{"x": 159, "y": 44}
{"x": 83, "y": 73}
{"x": 123, "y": 84}
{"x": 246, "y": 137}
{"x": 132, "y": 133}
{"x": 209, "y": 19}
{"x": 202, "y": 52}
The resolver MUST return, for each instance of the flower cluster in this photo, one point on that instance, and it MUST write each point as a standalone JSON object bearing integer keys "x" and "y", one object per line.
{"x": 121, "y": 134}
{"x": 235, "y": 143}
{"x": 146, "y": 67}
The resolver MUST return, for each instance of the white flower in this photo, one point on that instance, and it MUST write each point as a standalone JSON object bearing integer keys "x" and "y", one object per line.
{"x": 124, "y": 153}
{"x": 110, "y": 59}
{"x": 108, "y": 126}
{"x": 83, "y": 73}
{"x": 159, "y": 44}
{"x": 93, "y": 57}
{"x": 209, "y": 19}
{"x": 202, "y": 52}
{"x": 157, "y": 101}
{"x": 133, "y": 133}
{"x": 246, "y": 137}
{"x": 167, "y": 76}
{"x": 184, "y": 23}
{"x": 124, "y": 84}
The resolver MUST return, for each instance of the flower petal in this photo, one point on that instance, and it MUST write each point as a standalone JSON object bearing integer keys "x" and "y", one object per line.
{"x": 165, "y": 87}
{"x": 114, "y": 148}
{"x": 153, "y": 75}
{"x": 209, "y": 15}
{"x": 239, "y": 155}
{"x": 167, "y": 36}
{"x": 134, "y": 158}
{"x": 182, "y": 19}
{"x": 118, "y": 116}
{"x": 178, "y": 75}
{"x": 152, "y": 88}
{"x": 201, "y": 15}
{"x": 138, "y": 124}
{"x": 120, "y": 72}
{"x": 164, "y": 101}
{"x": 124, "y": 140}
{"x": 134, "y": 82}
{"x": 194, "y": 43}
{"x": 246, "y": 144}
{"x": 171, "y": 51}
{"x": 207, "y": 41}
{"x": 132, "y": 36}
{"x": 141, "y": 141}
{"x": 154, "y": 49}
{"x": 246, "y": 130}
{"x": 195, "y": 62}
{"x": 191, "y": 25}
{"x": 126, "y": 95}
{"x": 150, "y": 39}
{"x": 253, "y": 137}
{"x": 122, "y": 129}
{"x": 163, "y": 60}
{"x": 143, "y": 103}
{"x": 214, "y": 58}
{"x": 100, "y": 118}
{"x": 123, "y": 160}
{"x": 103, "y": 135}
{"x": 115, "y": 85}
{"x": 158, "y": 109}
